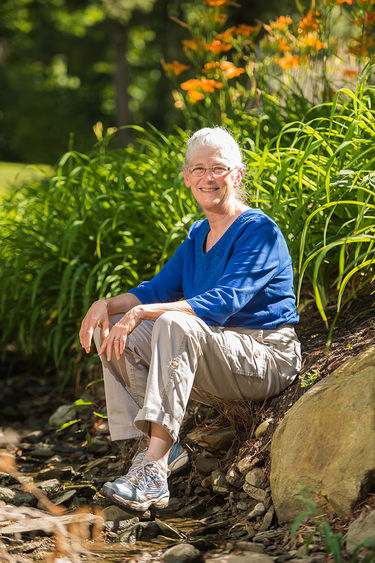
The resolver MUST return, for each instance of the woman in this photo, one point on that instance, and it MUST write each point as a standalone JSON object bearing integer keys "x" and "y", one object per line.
{"x": 216, "y": 320}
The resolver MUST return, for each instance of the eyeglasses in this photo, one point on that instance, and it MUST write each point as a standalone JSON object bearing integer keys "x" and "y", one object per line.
{"x": 200, "y": 171}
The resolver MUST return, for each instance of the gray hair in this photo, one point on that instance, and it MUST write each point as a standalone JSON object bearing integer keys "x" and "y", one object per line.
{"x": 218, "y": 138}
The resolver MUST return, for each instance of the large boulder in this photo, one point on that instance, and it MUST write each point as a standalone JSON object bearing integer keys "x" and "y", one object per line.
{"x": 327, "y": 441}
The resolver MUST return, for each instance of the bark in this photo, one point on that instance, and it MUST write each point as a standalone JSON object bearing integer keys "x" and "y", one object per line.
{"x": 121, "y": 83}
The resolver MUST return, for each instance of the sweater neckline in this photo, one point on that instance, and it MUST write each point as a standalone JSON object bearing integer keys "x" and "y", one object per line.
{"x": 219, "y": 243}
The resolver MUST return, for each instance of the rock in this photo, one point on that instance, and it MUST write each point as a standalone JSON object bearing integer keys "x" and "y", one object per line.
{"x": 218, "y": 482}
{"x": 267, "y": 520}
{"x": 41, "y": 450}
{"x": 182, "y": 553}
{"x": 61, "y": 473}
{"x": 205, "y": 464}
{"x": 49, "y": 487}
{"x": 257, "y": 478}
{"x": 327, "y": 441}
{"x": 246, "y": 463}
{"x": 18, "y": 498}
{"x": 242, "y": 505}
{"x": 249, "y": 546}
{"x": 247, "y": 557}
{"x": 363, "y": 528}
{"x": 168, "y": 530}
{"x": 254, "y": 492}
{"x": 258, "y": 510}
{"x": 115, "y": 514}
{"x": 63, "y": 414}
{"x": 263, "y": 427}
{"x": 218, "y": 439}
{"x": 234, "y": 477}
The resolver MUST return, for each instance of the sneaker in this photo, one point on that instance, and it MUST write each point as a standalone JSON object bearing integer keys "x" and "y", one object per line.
{"x": 143, "y": 486}
{"x": 178, "y": 459}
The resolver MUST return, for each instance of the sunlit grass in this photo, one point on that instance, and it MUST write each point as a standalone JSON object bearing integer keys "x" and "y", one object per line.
{"x": 16, "y": 174}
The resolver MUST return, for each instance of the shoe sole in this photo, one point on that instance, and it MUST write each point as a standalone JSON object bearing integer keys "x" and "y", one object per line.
{"x": 161, "y": 502}
{"x": 179, "y": 464}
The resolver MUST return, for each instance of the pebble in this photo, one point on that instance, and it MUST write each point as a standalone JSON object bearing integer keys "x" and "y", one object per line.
{"x": 116, "y": 514}
{"x": 50, "y": 486}
{"x": 219, "y": 484}
{"x": 246, "y": 463}
{"x": 182, "y": 553}
{"x": 263, "y": 427}
{"x": 256, "y": 478}
{"x": 255, "y": 493}
{"x": 258, "y": 510}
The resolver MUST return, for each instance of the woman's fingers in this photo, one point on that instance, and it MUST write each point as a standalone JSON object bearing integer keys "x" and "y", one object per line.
{"x": 114, "y": 342}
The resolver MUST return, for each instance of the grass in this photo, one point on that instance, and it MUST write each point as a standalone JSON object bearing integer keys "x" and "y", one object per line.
{"x": 15, "y": 174}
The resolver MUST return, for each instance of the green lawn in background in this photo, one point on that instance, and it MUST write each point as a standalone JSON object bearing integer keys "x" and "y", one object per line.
{"x": 16, "y": 173}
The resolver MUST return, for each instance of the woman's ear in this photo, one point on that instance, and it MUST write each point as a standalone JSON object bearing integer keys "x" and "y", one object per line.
{"x": 186, "y": 177}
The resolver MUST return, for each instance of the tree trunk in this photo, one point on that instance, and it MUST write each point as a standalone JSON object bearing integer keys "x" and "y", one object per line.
{"x": 121, "y": 83}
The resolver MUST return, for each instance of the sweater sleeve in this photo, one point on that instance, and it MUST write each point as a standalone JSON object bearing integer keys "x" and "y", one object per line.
{"x": 166, "y": 286}
{"x": 258, "y": 255}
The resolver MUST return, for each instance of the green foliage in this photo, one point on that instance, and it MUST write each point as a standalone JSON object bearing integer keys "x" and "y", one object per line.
{"x": 309, "y": 378}
{"x": 103, "y": 223}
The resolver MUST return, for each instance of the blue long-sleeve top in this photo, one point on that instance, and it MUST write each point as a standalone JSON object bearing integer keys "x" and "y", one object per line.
{"x": 244, "y": 280}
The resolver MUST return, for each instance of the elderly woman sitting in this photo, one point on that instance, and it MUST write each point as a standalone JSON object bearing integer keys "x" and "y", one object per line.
{"x": 216, "y": 320}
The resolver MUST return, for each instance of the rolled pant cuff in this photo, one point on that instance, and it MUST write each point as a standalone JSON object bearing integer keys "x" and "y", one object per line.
{"x": 122, "y": 434}
{"x": 145, "y": 416}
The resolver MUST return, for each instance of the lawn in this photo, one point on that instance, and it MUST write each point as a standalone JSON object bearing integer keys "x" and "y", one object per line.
{"x": 16, "y": 173}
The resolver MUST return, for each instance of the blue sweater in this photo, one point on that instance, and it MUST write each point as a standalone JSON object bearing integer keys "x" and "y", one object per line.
{"x": 244, "y": 280}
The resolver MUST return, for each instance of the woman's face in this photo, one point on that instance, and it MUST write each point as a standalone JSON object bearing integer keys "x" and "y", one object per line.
{"x": 215, "y": 188}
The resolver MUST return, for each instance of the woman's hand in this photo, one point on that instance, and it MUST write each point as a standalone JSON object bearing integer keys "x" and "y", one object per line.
{"x": 116, "y": 339}
{"x": 96, "y": 316}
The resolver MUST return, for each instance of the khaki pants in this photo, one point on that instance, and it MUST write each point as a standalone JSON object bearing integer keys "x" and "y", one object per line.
{"x": 180, "y": 356}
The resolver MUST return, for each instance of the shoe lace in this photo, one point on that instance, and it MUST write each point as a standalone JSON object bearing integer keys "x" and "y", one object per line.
{"x": 146, "y": 474}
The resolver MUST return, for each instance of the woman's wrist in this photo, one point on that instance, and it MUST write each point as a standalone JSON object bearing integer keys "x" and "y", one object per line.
{"x": 106, "y": 303}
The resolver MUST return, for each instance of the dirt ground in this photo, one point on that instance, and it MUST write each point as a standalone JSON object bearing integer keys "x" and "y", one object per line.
{"x": 28, "y": 400}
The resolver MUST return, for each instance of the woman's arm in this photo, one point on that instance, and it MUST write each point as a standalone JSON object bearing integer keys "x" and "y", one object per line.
{"x": 98, "y": 315}
{"x": 116, "y": 338}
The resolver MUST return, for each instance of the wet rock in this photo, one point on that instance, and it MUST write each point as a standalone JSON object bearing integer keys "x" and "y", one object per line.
{"x": 321, "y": 443}
{"x": 244, "y": 558}
{"x": 254, "y": 492}
{"x": 63, "y": 414}
{"x": 168, "y": 531}
{"x": 219, "y": 484}
{"x": 205, "y": 464}
{"x": 256, "y": 478}
{"x": 363, "y": 528}
{"x": 18, "y": 498}
{"x": 182, "y": 553}
{"x": 258, "y": 510}
{"x": 263, "y": 428}
{"x": 218, "y": 439}
{"x": 114, "y": 513}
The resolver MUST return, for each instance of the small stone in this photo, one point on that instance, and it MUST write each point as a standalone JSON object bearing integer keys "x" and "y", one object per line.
{"x": 245, "y": 558}
{"x": 363, "y": 528}
{"x": 233, "y": 477}
{"x": 50, "y": 487}
{"x": 205, "y": 464}
{"x": 219, "y": 484}
{"x": 249, "y": 546}
{"x": 182, "y": 553}
{"x": 65, "y": 413}
{"x": 116, "y": 514}
{"x": 258, "y": 510}
{"x": 41, "y": 450}
{"x": 263, "y": 427}
{"x": 256, "y": 478}
{"x": 207, "y": 482}
{"x": 267, "y": 521}
{"x": 168, "y": 530}
{"x": 255, "y": 493}
{"x": 61, "y": 473}
{"x": 242, "y": 505}
{"x": 213, "y": 440}
{"x": 12, "y": 496}
{"x": 246, "y": 463}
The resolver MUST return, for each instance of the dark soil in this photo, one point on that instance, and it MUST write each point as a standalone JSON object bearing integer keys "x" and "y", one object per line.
{"x": 27, "y": 400}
